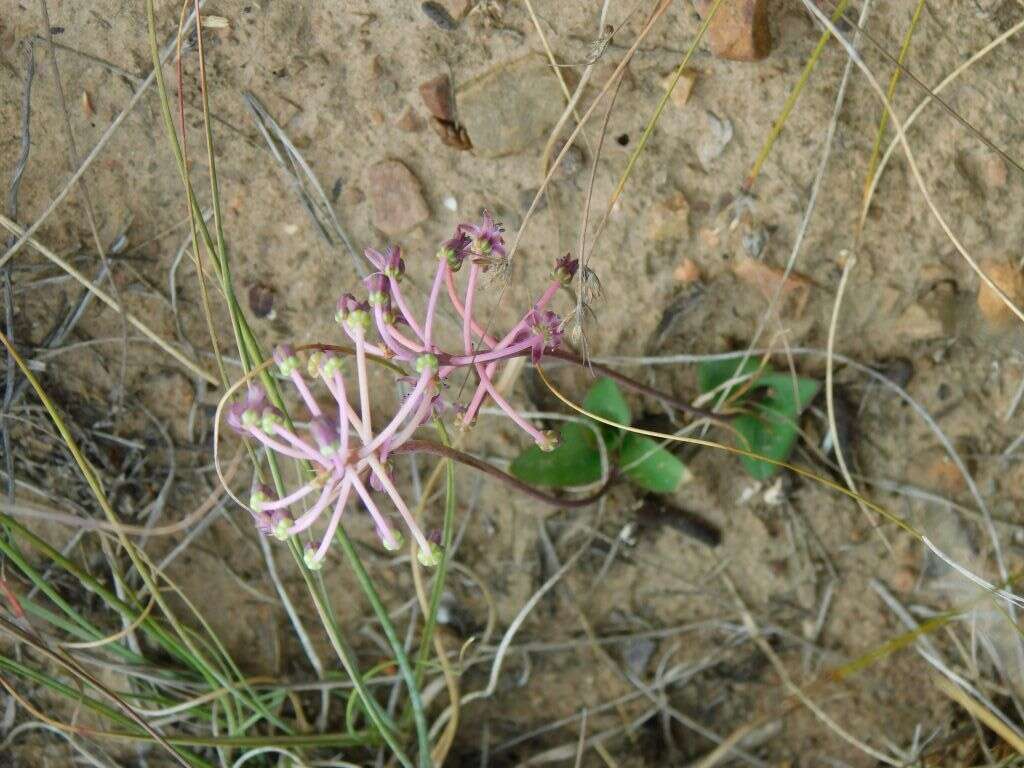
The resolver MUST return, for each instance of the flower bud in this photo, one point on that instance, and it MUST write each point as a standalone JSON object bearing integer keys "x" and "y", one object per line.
{"x": 270, "y": 418}
{"x": 346, "y": 305}
{"x": 378, "y": 288}
{"x": 426, "y": 362}
{"x": 284, "y": 356}
{"x": 565, "y": 269}
{"x": 431, "y": 557}
{"x": 245, "y": 415}
{"x": 261, "y": 495}
{"x": 393, "y": 540}
{"x": 486, "y": 237}
{"x": 313, "y": 363}
{"x": 549, "y": 442}
{"x": 280, "y": 523}
{"x": 326, "y": 435}
{"x": 309, "y": 556}
{"x": 358, "y": 320}
{"x": 455, "y": 250}
{"x": 394, "y": 266}
{"x": 331, "y": 364}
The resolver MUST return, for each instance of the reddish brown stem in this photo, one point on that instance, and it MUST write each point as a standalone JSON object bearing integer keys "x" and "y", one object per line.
{"x": 427, "y": 446}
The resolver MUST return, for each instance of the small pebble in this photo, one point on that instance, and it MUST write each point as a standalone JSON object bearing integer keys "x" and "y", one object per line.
{"x": 739, "y": 31}
{"x": 716, "y": 138}
{"x": 669, "y": 219}
{"x": 459, "y": 8}
{"x": 898, "y": 370}
{"x": 572, "y": 162}
{"x": 903, "y": 580}
{"x": 687, "y": 272}
{"x": 437, "y": 97}
{"x": 986, "y": 170}
{"x": 261, "y": 301}
{"x": 1009, "y": 279}
{"x": 684, "y": 87}
{"x": 638, "y": 653}
{"x": 921, "y": 322}
{"x": 438, "y": 14}
{"x": 396, "y": 196}
{"x": 408, "y": 122}
{"x": 766, "y": 279}
{"x": 450, "y": 203}
{"x": 353, "y": 196}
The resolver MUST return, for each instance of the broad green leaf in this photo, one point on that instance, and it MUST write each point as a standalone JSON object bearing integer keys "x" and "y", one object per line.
{"x": 605, "y": 399}
{"x": 714, "y": 373}
{"x": 772, "y": 430}
{"x": 656, "y": 469}
{"x": 575, "y": 461}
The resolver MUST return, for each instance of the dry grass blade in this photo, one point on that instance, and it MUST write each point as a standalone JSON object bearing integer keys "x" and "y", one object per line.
{"x": 980, "y": 712}
{"x": 103, "y": 296}
{"x": 76, "y": 670}
{"x": 911, "y": 161}
{"x": 304, "y": 180}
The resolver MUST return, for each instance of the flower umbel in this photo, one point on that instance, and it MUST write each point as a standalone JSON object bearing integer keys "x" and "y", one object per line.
{"x": 339, "y": 442}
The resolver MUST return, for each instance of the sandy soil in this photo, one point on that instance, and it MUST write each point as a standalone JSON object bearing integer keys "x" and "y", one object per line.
{"x": 342, "y": 80}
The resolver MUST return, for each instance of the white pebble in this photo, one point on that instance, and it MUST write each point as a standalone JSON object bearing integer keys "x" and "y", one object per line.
{"x": 451, "y": 203}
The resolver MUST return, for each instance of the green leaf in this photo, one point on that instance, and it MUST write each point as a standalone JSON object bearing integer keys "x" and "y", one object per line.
{"x": 657, "y": 469}
{"x": 714, "y": 373}
{"x": 772, "y": 431}
{"x": 575, "y": 461}
{"x": 605, "y": 400}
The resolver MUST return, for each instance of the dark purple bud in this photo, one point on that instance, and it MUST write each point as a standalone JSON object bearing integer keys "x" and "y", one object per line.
{"x": 455, "y": 250}
{"x": 488, "y": 237}
{"x": 565, "y": 269}
{"x": 546, "y": 327}
{"x": 348, "y": 304}
{"x": 394, "y": 266}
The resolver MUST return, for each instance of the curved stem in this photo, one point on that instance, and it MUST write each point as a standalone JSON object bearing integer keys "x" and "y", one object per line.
{"x": 636, "y": 386}
{"x": 428, "y": 446}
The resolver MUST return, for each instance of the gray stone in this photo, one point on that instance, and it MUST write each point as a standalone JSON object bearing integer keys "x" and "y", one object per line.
{"x": 510, "y": 108}
{"x": 396, "y": 196}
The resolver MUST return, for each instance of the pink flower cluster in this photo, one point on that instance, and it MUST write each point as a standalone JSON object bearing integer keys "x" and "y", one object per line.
{"x": 339, "y": 441}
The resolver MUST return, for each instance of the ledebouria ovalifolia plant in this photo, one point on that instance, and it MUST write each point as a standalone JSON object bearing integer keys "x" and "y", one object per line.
{"x": 347, "y": 451}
